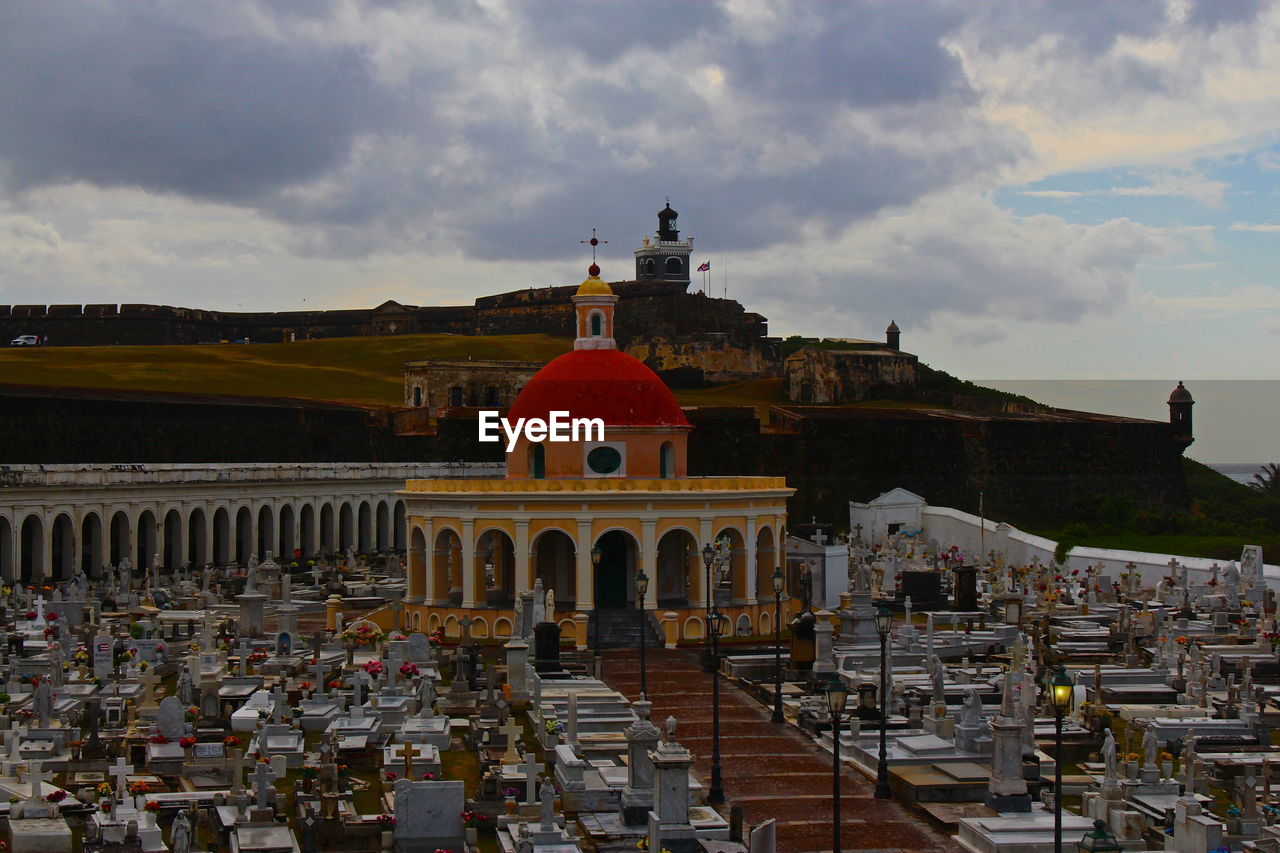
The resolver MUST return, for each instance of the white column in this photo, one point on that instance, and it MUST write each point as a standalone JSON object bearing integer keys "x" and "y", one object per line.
{"x": 750, "y": 545}
{"x": 586, "y": 591}
{"x": 45, "y": 569}
{"x": 649, "y": 560}
{"x": 468, "y": 563}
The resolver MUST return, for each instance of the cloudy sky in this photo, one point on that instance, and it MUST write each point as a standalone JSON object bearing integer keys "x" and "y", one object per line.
{"x": 1030, "y": 189}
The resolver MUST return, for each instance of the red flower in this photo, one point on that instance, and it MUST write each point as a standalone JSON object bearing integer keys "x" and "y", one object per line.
{"x": 187, "y": 742}
{"x": 159, "y": 739}
{"x": 31, "y": 614}
{"x": 56, "y": 797}
{"x": 51, "y": 616}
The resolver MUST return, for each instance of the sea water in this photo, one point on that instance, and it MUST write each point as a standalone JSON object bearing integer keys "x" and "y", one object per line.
{"x": 1236, "y": 422}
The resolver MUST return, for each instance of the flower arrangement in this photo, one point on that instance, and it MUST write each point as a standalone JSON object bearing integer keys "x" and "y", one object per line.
{"x": 75, "y": 744}
{"x": 158, "y": 738}
{"x": 56, "y": 797}
{"x": 192, "y": 714}
{"x": 4, "y": 698}
{"x": 51, "y": 616}
{"x": 231, "y": 741}
{"x": 1234, "y": 811}
{"x": 30, "y": 615}
{"x": 436, "y": 637}
{"x": 104, "y": 789}
{"x": 553, "y": 727}
{"x": 391, "y": 776}
{"x": 427, "y": 777}
{"x": 186, "y": 742}
{"x": 373, "y": 667}
{"x": 137, "y": 789}
{"x": 135, "y": 631}
{"x": 386, "y": 820}
{"x": 399, "y": 637}
{"x": 409, "y": 668}
{"x": 81, "y": 655}
{"x": 310, "y": 771}
{"x": 152, "y": 806}
{"x": 1131, "y": 756}
{"x": 363, "y": 634}
{"x": 510, "y": 793}
{"x": 334, "y": 685}
{"x": 106, "y": 807}
{"x": 1165, "y": 756}
{"x": 258, "y": 657}
{"x": 470, "y": 817}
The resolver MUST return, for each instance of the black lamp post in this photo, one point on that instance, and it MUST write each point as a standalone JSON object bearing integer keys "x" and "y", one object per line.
{"x": 884, "y": 622}
{"x": 1098, "y": 840}
{"x": 708, "y": 557}
{"x": 1061, "y": 693}
{"x": 779, "y": 581}
{"x": 715, "y": 796}
{"x": 642, "y": 587}
{"x": 837, "y": 695}
{"x": 595, "y": 601}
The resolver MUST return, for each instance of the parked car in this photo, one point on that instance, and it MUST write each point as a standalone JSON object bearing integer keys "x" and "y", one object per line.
{"x": 25, "y": 341}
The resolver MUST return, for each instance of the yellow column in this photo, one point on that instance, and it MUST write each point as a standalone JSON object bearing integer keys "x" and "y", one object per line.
{"x": 649, "y": 560}
{"x": 586, "y": 591}
{"x": 468, "y": 563}
{"x": 523, "y": 566}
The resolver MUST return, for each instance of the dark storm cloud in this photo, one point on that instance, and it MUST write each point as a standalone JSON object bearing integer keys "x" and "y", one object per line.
{"x": 604, "y": 30}
{"x": 153, "y": 95}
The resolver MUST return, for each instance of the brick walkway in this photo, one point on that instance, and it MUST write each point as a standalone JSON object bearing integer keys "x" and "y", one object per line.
{"x": 769, "y": 770}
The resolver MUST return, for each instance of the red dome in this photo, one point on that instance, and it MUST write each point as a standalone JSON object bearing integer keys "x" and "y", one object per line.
{"x": 601, "y": 383}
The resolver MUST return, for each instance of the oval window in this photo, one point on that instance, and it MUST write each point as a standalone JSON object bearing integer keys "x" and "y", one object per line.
{"x": 604, "y": 460}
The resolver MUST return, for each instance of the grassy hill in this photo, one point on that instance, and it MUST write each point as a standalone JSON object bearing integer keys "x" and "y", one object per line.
{"x": 359, "y": 371}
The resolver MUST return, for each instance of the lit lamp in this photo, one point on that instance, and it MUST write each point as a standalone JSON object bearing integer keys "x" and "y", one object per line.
{"x": 779, "y": 583}
{"x": 884, "y": 623}
{"x": 1061, "y": 694}
{"x": 1098, "y": 839}
{"x": 642, "y": 587}
{"x": 837, "y": 696}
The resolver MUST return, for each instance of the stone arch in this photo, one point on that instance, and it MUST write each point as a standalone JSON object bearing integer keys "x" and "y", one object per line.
{"x": 328, "y": 529}
{"x": 742, "y": 626}
{"x": 692, "y": 628}
{"x": 364, "y": 528}
{"x": 307, "y": 529}
{"x": 451, "y": 627}
{"x": 766, "y": 622}
{"x": 197, "y": 537}
{"x": 479, "y": 627}
{"x": 614, "y": 576}
{"x": 91, "y": 544}
{"x": 446, "y": 567}
{"x": 766, "y": 562}
{"x": 674, "y": 266}
{"x": 416, "y": 621}
{"x": 502, "y": 628}
{"x": 346, "y": 527}
{"x": 398, "y": 526}
{"x": 221, "y": 536}
{"x": 382, "y": 528}
{"x": 287, "y": 539}
{"x": 416, "y": 569}
{"x": 121, "y": 537}
{"x": 171, "y": 542}
{"x": 31, "y": 555}
{"x": 433, "y": 622}
{"x": 6, "y": 548}
{"x": 554, "y": 556}
{"x": 146, "y": 536}
{"x": 733, "y": 584}
{"x": 678, "y": 562}
{"x": 62, "y": 547}
{"x": 495, "y": 548}
{"x": 244, "y": 535}
{"x": 266, "y": 539}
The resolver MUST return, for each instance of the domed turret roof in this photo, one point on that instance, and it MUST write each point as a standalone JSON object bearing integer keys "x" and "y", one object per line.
{"x": 1181, "y": 395}
{"x": 603, "y": 383}
{"x": 593, "y": 285}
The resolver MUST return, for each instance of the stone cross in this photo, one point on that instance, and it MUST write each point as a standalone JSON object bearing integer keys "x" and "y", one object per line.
{"x": 512, "y": 731}
{"x": 262, "y": 777}
{"x": 279, "y": 699}
{"x": 237, "y": 762}
{"x": 38, "y": 776}
{"x": 120, "y": 771}
{"x": 407, "y": 751}
{"x": 242, "y": 650}
{"x": 532, "y": 769}
{"x": 357, "y": 702}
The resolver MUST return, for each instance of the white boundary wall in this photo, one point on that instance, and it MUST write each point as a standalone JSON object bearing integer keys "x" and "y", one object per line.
{"x": 978, "y": 536}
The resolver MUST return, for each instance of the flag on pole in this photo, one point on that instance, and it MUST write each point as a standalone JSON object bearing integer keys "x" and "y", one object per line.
{"x": 706, "y": 267}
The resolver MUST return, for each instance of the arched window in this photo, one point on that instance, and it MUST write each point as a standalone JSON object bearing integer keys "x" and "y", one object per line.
{"x": 597, "y": 325}
{"x": 537, "y": 462}
{"x": 667, "y": 461}
{"x": 675, "y": 266}
{"x": 417, "y": 395}
{"x": 455, "y": 395}
{"x": 491, "y": 395}
{"x": 650, "y": 266}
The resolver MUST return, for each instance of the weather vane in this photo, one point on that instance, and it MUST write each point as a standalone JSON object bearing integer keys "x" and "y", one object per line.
{"x": 594, "y": 241}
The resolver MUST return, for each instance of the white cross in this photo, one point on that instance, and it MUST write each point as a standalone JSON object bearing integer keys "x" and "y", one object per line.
{"x": 243, "y": 650}
{"x": 357, "y": 682}
{"x": 532, "y": 767}
{"x": 121, "y": 770}
{"x": 37, "y": 776}
{"x": 262, "y": 777}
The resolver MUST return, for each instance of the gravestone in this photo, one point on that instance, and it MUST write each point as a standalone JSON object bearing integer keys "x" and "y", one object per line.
{"x": 171, "y": 718}
{"x": 546, "y": 646}
{"x": 419, "y": 648}
{"x": 429, "y": 815}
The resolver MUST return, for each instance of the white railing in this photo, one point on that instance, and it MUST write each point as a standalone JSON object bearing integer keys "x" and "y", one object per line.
{"x": 160, "y": 474}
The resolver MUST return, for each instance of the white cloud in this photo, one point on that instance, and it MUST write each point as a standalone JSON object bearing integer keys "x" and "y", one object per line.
{"x": 1261, "y": 227}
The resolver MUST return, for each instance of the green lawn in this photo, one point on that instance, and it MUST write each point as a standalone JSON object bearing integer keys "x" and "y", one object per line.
{"x": 364, "y": 371}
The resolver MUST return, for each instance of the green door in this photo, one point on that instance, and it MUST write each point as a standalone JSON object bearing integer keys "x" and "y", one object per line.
{"x": 611, "y": 574}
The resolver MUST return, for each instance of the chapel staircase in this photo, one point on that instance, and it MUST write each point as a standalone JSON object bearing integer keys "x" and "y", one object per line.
{"x": 620, "y": 629}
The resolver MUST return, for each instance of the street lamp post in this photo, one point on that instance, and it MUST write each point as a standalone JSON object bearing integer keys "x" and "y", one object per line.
{"x": 715, "y": 796}
{"x": 1061, "y": 693}
{"x": 595, "y": 601}
{"x": 884, "y": 623}
{"x": 779, "y": 581}
{"x": 837, "y": 695}
{"x": 708, "y": 557}
{"x": 642, "y": 587}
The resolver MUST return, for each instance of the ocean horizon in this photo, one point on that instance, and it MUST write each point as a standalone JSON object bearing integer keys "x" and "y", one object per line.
{"x": 1236, "y": 422}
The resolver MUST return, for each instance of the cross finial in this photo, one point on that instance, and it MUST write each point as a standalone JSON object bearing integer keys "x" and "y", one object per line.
{"x": 593, "y": 242}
